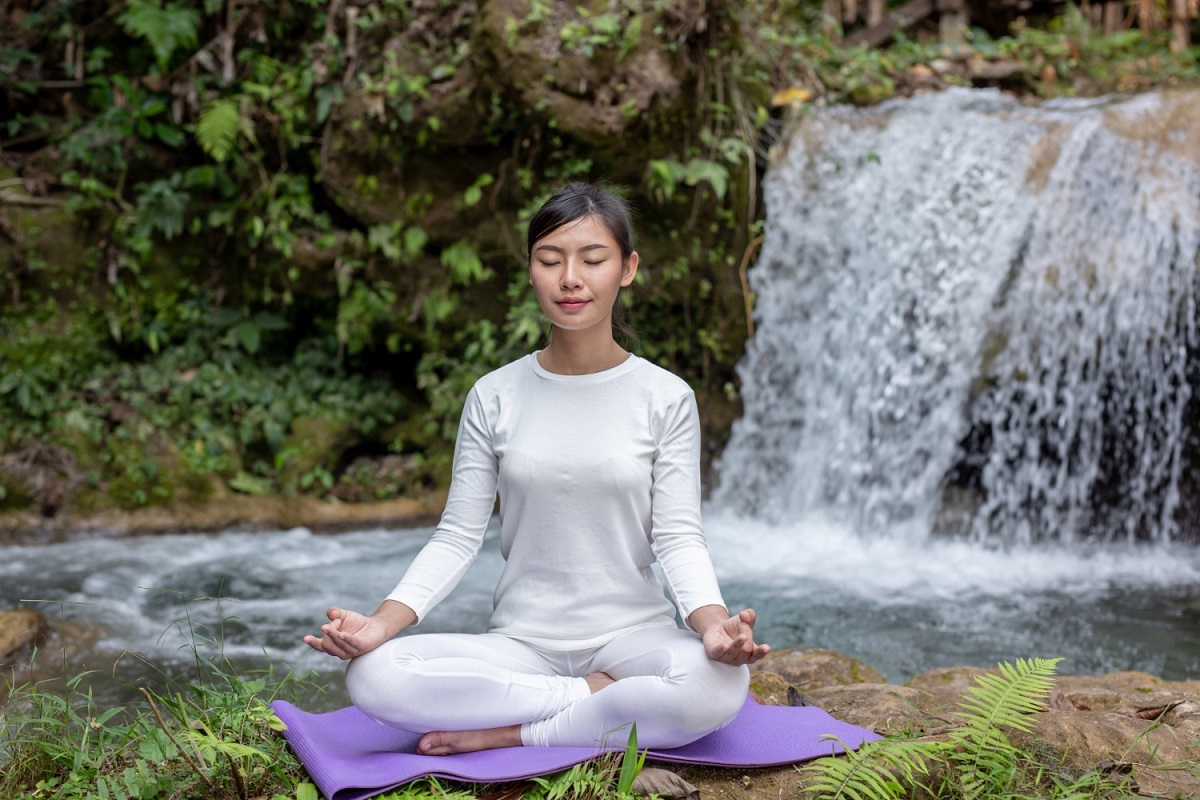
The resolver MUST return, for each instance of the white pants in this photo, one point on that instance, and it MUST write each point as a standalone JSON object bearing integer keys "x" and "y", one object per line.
{"x": 450, "y": 681}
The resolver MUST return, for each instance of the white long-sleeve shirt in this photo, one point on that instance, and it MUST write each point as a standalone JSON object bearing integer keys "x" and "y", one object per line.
{"x": 599, "y": 476}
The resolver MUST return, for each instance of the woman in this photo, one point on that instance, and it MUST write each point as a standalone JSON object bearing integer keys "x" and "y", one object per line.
{"x": 595, "y": 455}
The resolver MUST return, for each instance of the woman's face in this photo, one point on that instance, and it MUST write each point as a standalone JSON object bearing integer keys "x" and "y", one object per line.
{"x": 576, "y": 272}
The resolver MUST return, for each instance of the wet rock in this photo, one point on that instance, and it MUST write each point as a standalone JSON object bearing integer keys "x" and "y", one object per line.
{"x": 809, "y": 668}
{"x": 20, "y": 631}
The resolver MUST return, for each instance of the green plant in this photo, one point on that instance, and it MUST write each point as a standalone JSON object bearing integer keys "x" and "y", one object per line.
{"x": 213, "y": 737}
{"x": 976, "y": 760}
{"x": 631, "y": 763}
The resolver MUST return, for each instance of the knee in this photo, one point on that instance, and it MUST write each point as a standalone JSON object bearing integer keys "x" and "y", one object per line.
{"x": 714, "y": 697}
{"x": 370, "y": 682}
{"x": 727, "y": 693}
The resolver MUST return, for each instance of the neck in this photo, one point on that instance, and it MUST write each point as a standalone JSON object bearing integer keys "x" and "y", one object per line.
{"x": 576, "y": 353}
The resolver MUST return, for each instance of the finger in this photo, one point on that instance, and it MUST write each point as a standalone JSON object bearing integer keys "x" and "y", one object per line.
{"x": 326, "y": 646}
{"x": 748, "y": 616}
{"x": 337, "y": 649}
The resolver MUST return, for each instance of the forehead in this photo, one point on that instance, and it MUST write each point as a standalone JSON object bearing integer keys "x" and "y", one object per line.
{"x": 582, "y": 232}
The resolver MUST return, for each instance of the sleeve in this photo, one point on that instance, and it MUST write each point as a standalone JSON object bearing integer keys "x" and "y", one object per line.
{"x": 677, "y": 535}
{"x": 456, "y": 542}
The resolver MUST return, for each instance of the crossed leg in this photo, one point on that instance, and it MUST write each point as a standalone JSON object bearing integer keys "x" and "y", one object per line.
{"x": 474, "y": 692}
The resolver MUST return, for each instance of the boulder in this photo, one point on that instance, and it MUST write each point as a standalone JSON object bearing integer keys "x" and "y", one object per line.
{"x": 809, "y": 668}
{"x": 888, "y": 710}
{"x": 20, "y": 630}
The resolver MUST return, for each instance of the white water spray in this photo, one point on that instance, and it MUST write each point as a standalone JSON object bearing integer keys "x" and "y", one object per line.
{"x": 956, "y": 268}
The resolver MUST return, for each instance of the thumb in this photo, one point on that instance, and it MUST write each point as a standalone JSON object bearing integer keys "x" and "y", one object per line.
{"x": 748, "y": 616}
{"x": 334, "y": 613}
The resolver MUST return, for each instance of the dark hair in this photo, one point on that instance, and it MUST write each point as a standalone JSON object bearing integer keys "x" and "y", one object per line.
{"x": 579, "y": 200}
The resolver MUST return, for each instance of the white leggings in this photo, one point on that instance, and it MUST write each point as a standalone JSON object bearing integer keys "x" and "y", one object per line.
{"x": 452, "y": 681}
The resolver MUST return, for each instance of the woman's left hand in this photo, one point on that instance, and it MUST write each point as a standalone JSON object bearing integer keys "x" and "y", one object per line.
{"x": 727, "y": 639}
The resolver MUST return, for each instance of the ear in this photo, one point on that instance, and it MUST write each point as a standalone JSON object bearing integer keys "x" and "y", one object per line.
{"x": 629, "y": 269}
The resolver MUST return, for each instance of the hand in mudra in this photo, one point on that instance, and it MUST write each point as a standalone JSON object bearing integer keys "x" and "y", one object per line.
{"x": 349, "y": 634}
{"x": 732, "y": 641}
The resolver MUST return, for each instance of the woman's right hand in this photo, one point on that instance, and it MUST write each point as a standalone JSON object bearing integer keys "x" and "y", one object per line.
{"x": 349, "y": 634}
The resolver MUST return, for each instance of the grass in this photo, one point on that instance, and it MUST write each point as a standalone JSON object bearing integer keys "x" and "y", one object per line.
{"x": 212, "y": 737}
{"x": 215, "y": 737}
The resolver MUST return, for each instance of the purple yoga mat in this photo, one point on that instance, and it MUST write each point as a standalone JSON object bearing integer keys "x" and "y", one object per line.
{"x": 350, "y": 756}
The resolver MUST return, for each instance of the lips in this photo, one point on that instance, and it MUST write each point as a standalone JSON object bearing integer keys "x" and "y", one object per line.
{"x": 571, "y": 303}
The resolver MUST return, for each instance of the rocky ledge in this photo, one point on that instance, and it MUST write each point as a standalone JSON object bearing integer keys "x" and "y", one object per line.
{"x": 1141, "y": 726}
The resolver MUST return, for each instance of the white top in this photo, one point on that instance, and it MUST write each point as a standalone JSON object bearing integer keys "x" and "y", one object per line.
{"x": 599, "y": 476}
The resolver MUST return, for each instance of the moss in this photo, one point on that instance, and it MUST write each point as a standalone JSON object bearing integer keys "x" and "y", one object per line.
{"x": 314, "y": 444}
{"x": 14, "y": 494}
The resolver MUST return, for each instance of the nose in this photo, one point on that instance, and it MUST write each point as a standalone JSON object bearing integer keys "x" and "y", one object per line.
{"x": 570, "y": 278}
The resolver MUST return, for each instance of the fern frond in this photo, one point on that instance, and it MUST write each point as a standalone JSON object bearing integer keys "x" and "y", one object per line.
{"x": 165, "y": 28}
{"x": 986, "y": 756}
{"x": 887, "y": 768}
{"x": 1008, "y": 698}
{"x": 217, "y": 128}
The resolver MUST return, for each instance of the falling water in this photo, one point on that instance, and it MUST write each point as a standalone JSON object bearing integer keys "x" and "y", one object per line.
{"x": 977, "y": 315}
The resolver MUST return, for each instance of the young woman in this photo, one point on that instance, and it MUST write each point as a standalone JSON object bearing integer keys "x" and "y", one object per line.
{"x": 595, "y": 454}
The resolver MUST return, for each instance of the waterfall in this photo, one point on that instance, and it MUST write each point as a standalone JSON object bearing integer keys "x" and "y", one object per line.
{"x": 975, "y": 315}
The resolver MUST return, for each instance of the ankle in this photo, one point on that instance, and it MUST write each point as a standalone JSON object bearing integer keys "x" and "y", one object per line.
{"x": 598, "y": 680}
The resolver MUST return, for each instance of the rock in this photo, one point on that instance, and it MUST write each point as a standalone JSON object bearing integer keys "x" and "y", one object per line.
{"x": 20, "y": 630}
{"x": 947, "y": 684}
{"x": 809, "y": 668}
{"x": 880, "y": 707}
{"x": 769, "y": 688}
{"x": 1082, "y": 741}
{"x": 652, "y": 781}
{"x": 593, "y": 79}
{"x": 1124, "y": 692}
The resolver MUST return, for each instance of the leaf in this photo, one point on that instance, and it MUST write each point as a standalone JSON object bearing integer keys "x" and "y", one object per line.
{"x": 630, "y": 765}
{"x": 217, "y": 128}
{"x": 248, "y": 336}
{"x": 464, "y": 263}
{"x": 246, "y": 483}
{"x": 306, "y": 791}
{"x": 168, "y": 134}
{"x": 165, "y": 28}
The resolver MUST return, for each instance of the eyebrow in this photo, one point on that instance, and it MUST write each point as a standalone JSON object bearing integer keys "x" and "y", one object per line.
{"x": 558, "y": 249}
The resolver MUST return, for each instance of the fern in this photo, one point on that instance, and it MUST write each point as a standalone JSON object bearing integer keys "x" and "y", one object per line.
{"x": 165, "y": 28}
{"x": 217, "y": 128}
{"x": 880, "y": 769}
{"x": 976, "y": 757}
{"x": 985, "y": 755}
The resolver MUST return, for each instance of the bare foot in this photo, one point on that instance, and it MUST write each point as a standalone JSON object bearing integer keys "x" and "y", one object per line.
{"x": 598, "y": 680}
{"x": 443, "y": 743}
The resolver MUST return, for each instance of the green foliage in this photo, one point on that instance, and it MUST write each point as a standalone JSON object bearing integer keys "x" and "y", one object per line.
{"x": 193, "y": 157}
{"x": 975, "y": 760}
{"x": 167, "y": 28}
{"x": 983, "y": 753}
{"x": 217, "y": 128}
{"x": 213, "y": 737}
{"x": 631, "y": 763}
